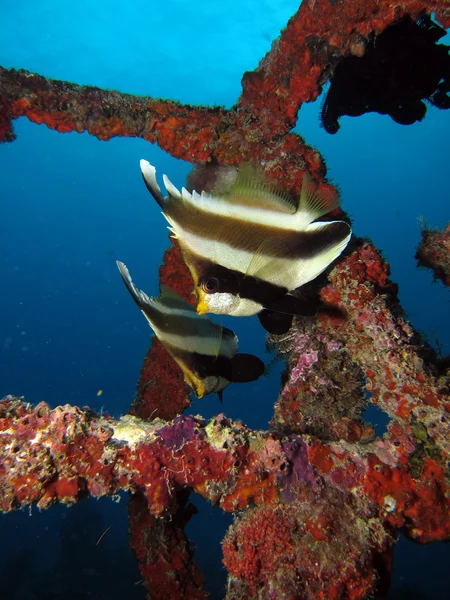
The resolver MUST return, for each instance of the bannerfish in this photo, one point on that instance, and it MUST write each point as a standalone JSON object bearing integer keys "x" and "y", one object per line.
{"x": 249, "y": 248}
{"x": 205, "y": 351}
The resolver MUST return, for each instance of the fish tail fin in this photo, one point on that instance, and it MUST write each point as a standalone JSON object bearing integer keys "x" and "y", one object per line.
{"x": 246, "y": 368}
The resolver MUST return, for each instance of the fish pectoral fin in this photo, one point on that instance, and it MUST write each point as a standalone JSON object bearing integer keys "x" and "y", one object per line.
{"x": 290, "y": 262}
{"x": 231, "y": 245}
{"x": 265, "y": 263}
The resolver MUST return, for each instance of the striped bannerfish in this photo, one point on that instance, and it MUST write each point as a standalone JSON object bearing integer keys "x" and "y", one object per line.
{"x": 247, "y": 249}
{"x": 205, "y": 352}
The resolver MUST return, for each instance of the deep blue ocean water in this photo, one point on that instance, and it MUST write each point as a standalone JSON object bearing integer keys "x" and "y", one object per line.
{"x": 71, "y": 205}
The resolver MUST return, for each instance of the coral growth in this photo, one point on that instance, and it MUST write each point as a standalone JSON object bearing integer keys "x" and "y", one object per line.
{"x": 158, "y": 374}
{"x": 163, "y": 552}
{"x": 64, "y": 453}
{"x": 318, "y": 487}
{"x": 275, "y": 552}
{"x": 321, "y": 373}
{"x": 434, "y": 252}
{"x": 6, "y": 129}
{"x": 61, "y": 454}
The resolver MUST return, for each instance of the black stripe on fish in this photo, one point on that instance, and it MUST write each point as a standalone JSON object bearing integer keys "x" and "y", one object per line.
{"x": 233, "y": 282}
{"x": 248, "y": 236}
{"x": 278, "y": 323}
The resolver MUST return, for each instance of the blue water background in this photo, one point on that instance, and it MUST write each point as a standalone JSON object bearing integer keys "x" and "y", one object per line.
{"x": 71, "y": 205}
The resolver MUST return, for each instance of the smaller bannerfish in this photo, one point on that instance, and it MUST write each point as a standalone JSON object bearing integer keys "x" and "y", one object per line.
{"x": 249, "y": 248}
{"x": 205, "y": 351}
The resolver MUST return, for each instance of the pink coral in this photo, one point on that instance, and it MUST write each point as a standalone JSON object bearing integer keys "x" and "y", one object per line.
{"x": 303, "y": 363}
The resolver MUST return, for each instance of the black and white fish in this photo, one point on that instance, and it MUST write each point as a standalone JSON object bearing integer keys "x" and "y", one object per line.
{"x": 205, "y": 351}
{"x": 249, "y": 248}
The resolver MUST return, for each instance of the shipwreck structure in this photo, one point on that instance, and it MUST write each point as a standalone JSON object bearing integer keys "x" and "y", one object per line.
{"x": 319, "y": 497}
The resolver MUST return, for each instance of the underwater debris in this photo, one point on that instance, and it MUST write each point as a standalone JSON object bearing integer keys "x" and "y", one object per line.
{"x": 396, "y": 73}
{"x": 434, "y": 252}
{"x": 63, "y": 454}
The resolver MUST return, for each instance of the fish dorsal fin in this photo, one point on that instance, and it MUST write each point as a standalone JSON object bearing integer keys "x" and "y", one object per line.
{"x": 313, "y": 202}
{"x": 140, "y": 297}
{"x": 171, "y": 189}
{"x": 146, "y": 304}
{"x": 149, "y": 175}
{"x": 251, "y": 189}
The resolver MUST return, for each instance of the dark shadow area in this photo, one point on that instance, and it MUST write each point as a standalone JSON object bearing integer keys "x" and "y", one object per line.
{"x": 393, "y": 74}
{"x": 76, "y": 564}
{"x": 206, "y": 531}
{"x": 420, "y": 572}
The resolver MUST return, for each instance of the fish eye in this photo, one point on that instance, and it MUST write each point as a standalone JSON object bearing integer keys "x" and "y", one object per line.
{"x": 210, "y": 285}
